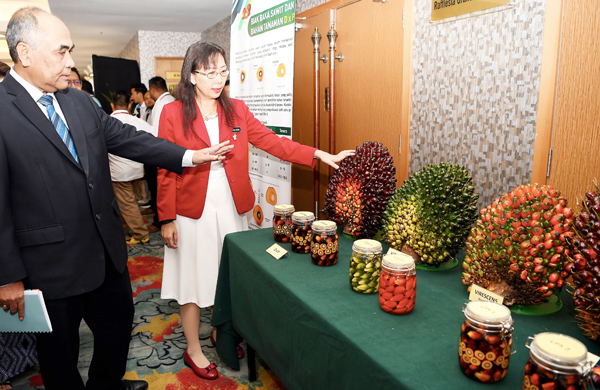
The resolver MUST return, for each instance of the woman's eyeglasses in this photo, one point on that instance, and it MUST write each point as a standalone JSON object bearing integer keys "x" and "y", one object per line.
{"x": 76, "y": 82}
{"x": 213, "y": 73}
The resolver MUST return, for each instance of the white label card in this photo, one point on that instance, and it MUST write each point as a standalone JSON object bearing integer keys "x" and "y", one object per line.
{"x": 277, "y": 251}
{"x": 481, "y": 294}
{"x": 592, "y": 358}
{"x": 393, "y": 251}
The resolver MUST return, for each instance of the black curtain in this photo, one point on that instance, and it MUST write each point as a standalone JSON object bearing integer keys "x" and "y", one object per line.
{"x": 113, "y": 74}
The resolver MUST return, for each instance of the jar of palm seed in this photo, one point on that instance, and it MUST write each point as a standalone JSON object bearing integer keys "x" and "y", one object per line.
{"x": 556, "y": 362}
{"x": 282, "y": 222}
{"x": 365, "y": 266}
{"x": 485, "y": 341}
{"x": 302, "y": 231}
{"x": 324, "y": 243}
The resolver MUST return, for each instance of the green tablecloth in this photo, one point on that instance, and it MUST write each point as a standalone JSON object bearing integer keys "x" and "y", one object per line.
{"x": 316, "y": 333}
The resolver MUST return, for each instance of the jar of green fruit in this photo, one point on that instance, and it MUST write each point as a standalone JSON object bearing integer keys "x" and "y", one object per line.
{"x": 556, "y": 362}
{"x": 485, "y": 341}
{"x": 365, "y": 266}
{"x": 302, "y": 231}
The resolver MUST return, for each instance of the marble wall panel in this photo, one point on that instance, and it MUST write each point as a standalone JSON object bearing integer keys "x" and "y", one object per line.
{"x": 219, "y": 34}
{"x": 475, "y": 86}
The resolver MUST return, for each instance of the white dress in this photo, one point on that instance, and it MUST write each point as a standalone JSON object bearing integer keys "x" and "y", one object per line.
{"x": 190, "y": 271}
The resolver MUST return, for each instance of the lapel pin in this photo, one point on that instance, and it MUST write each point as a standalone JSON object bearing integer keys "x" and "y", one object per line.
{"x": 235, "y": 137}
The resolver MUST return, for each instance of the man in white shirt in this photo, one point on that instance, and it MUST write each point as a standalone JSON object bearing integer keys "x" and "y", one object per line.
{"x": 162, "y": 97}
{"x": 160, "y": 94}
{"x": 124, "y": 172}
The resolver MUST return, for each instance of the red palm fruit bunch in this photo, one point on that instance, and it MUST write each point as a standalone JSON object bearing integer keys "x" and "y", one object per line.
{"x": 518, "y": 246}
{"x": 584, "y": 257}
{"x": 360, "y": 189}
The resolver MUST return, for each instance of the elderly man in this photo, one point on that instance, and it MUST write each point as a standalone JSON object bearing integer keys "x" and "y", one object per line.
{"x": 61, "y": 231}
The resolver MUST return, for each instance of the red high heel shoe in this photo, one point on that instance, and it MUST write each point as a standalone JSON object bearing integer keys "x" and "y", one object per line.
{"x": 210, "y": 372}
{"x": 240, "y": 350}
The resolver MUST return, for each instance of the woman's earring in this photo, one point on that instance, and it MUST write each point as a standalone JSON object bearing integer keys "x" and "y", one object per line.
{"x": 194, "y": 84}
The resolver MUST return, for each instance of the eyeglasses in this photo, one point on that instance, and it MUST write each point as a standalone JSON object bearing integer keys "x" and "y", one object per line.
{"x": 213, "y": 73}
{"x": 76, "y": 82}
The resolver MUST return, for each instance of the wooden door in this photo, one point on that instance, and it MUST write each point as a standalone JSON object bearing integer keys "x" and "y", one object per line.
{"x": 576, "y": 131}
{"x": 369, "y": 86}
{"x": 169, "y": 68}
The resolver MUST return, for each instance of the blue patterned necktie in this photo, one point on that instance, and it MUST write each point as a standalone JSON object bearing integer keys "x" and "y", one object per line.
{"x": 59, "y": 125}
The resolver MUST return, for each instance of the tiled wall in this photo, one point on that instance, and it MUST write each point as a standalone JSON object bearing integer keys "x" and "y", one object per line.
{"x": 219, "y": 34}
{"x": 151, "y": 44}
{"x": 475, "y": 86}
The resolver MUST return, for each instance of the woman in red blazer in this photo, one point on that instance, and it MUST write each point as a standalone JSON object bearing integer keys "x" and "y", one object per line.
{"x": 206, "y": 202}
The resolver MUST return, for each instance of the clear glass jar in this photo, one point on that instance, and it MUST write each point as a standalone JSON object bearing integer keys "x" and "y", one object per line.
{"x": 398, "y": 284}
{"x": 365, "y": 266}
{"x": 302, "y": 231}
{"x": 485, "y": 341}
{"x": 556, "y": 362}
{"x": 282, "y": 222}
{"x": 324, "y": 244}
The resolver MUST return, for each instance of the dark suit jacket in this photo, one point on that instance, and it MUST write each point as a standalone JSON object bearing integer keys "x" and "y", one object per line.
{"x": 58, "y": 217}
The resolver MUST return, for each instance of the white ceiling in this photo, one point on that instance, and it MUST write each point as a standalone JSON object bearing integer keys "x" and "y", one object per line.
{"x": 104, "y": 27}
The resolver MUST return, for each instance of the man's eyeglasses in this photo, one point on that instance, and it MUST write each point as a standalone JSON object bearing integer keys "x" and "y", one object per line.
{"x": 213, "y": 73}
{"x": 76, "y": 82}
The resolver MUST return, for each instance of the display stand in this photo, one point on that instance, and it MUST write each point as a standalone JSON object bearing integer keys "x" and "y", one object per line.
{"x": 444, "y": 267}
{"x": 553, "y": 305}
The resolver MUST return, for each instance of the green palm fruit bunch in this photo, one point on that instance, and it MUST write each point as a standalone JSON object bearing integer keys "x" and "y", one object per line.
{"x": 518, "y": 246}
{"x": 431, "y": 215}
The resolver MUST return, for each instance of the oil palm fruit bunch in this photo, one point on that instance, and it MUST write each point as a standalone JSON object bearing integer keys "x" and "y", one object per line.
{"x": 584, "y": 264}
{"x": 431, "y": 215}
{"x": 360, "y": 188}
{"x": 518, "y": 246}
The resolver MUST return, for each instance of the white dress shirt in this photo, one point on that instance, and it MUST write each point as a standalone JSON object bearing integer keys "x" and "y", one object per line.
{"x": 162, "y": 101}
{"x": 122, "y": 169}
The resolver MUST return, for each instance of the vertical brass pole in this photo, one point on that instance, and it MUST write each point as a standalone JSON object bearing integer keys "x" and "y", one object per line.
{"x": 332, "y": 35}
{"x": 316, "y": 38}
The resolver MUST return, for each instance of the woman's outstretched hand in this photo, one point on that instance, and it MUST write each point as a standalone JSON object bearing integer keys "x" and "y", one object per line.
{"x": 332, "y": 160}
{"x": 214, "y": 153}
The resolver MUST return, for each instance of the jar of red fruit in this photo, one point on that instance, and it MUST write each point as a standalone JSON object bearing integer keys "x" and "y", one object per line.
{"x": 485, "y": 341}
{"x": 365, "y": 266}
{"x": 324, "y": 243}
{"x": 397, "y": 284}
{"x": 302, "y": 231}
{"x": 556, "y": 362}
{"x": 282, "y": 222}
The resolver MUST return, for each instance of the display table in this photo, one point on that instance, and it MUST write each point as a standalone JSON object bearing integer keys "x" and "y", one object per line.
{"x": 316, "y": 333}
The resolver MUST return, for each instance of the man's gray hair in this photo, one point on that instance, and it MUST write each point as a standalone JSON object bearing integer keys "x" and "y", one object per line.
{"x": 23, "y": 27}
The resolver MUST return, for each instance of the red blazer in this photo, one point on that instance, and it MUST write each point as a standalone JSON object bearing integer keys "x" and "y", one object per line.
{"x": 186, "y": 194}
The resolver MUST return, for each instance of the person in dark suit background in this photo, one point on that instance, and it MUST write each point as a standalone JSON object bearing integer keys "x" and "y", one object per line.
{"x": 61, "y": 231}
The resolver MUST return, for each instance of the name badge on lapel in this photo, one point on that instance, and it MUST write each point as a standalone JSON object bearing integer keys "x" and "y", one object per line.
{"x": 236, "y": 130}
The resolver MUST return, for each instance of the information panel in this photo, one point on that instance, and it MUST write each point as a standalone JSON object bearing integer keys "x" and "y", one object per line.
{"x": 443, "y": 9}
{"x": 262, "y": 75}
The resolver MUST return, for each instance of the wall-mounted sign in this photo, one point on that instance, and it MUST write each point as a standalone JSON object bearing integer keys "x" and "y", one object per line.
{"x": 443, "y": 9}
{"x": 173, "y": 75}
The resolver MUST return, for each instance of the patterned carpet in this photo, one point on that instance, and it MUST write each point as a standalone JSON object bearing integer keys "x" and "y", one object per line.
{"x": 157, "y": 344}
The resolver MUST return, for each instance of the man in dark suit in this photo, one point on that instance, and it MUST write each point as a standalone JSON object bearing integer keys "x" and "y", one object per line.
{"x": 61, "y": 232}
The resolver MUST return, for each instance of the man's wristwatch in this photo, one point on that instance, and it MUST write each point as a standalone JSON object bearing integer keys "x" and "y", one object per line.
{"x": 166, "y": 221}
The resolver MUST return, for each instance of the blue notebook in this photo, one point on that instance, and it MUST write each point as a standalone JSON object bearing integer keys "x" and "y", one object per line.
{"x": 36, "y": 318}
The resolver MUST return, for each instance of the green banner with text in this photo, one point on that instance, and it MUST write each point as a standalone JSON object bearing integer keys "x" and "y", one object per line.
{"x": 273, "y": 18}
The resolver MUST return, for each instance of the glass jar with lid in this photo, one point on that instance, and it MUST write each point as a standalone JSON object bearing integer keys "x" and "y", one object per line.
{"x": 324, "y": 243}
{"x": 398, "y": 284}
{"x": 282, "y": 222}
{"x": 556, "y": 361}
{"x": 365, "y": 266}
{"x": 485, "y": 341}
{"x": 302, "y": 231}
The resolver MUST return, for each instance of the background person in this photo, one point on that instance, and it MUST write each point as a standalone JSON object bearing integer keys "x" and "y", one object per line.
{"x": 61, "y": 231}
{"x": 149, "y": 106}
{"x": 74, "y": 80}
{"x": 124, "y": 173}
{"x": 137, "y": 97}
{"x": 199, "y": 207}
